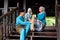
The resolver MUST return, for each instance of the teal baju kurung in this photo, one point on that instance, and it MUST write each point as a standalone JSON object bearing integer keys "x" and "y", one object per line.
{"x": 41, "y": 19}
{"x": 23, "y": 32}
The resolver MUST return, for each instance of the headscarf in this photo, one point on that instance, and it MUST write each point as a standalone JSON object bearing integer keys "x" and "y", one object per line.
{"x": 29, "y": 10}
{"x": 43, "y": 9}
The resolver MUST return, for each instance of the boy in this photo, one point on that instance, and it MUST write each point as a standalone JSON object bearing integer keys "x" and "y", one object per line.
{"x": 22, "y": 27}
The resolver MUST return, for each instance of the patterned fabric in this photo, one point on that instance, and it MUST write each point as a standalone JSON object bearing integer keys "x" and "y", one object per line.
{"x": 38, "y": 25}
{"x": 41, "y": 16}
{"x": 27, "y": 15}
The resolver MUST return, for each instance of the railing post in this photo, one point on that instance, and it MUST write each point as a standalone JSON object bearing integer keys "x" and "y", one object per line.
{"x": 17, "y": 10}
{"x": 9, "y": 24}
{"x": 5, "y": 6}
{"x": 6, "y": 26}
{"x": 4, "y": 30}
{"x": 10, "y": 19}
{"x": 14, "y": 18}
{"x": 4, "y": 23}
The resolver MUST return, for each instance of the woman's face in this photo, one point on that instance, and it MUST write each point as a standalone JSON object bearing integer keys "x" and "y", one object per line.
{"x": 30, "y": 11}
{"x": 40, "y": 10}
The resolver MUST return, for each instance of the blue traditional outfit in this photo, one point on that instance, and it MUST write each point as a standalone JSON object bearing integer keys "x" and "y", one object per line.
{"x": 41, "y": 20}
{"x": 23, "y": 32}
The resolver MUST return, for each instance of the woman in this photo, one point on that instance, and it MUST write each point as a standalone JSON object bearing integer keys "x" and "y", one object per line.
{"x": 41, "y": 19}
{"x": 30, "y": 17}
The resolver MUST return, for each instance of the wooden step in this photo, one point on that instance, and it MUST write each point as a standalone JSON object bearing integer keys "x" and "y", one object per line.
{"x": 45, "y": 36}
{"x": 50, "y": 28}
{"x": 44, "y": 33}
{"x": 46, "y": 29}
{"x": 39, "y": 34}
{"x": 17, "y": 39}
{"x": 14, "y": 39}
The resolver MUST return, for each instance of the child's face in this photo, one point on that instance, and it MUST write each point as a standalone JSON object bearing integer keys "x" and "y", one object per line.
{"x": 40, "y": 10}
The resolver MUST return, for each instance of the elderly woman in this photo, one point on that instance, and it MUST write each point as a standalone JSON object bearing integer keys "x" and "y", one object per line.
{"x": 41, "y": 22}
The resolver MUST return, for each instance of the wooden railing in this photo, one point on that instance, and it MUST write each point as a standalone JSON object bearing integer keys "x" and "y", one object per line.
{"x": 7, "y": 19}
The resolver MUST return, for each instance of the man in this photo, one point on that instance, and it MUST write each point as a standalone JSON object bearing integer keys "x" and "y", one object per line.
{"x": 22, "y": 27}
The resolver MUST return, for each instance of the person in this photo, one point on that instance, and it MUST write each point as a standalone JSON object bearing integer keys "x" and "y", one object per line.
{"x": 22, "y": 27}
{"x": 30, "y": 17}
{"x": 41, "y": 21}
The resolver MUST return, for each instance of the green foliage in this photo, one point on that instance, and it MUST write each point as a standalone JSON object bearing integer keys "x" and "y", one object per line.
{"x": 50, "y": 21}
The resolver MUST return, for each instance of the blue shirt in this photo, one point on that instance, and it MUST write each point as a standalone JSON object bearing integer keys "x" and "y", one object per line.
{"x": 41, "y": 17}
{"x": 21, "y": 21}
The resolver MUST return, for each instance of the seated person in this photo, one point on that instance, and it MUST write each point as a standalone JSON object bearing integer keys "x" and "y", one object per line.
{"x": 22, "y": 27}
{"x": 30, "y": 17}
{"x": 41, "y": 19}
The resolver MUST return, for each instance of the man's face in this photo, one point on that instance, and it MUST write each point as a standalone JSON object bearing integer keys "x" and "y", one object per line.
{"x": 22, "y": 13}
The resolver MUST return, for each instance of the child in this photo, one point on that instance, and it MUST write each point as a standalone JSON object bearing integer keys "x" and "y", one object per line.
{"x": 22, "y": 27}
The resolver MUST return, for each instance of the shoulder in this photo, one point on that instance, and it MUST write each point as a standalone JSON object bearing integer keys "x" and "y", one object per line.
{"x": 26, "y": 13}
{"x": 43, "y": 12}
{"x": 18, "y": 17}
{"x": 37, "y": 13}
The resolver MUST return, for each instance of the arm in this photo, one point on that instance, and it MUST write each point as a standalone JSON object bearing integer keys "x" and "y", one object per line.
{"x": 41, "y": 17}
{"x": 21, "y": 22}
{"x": 26, "y": 17}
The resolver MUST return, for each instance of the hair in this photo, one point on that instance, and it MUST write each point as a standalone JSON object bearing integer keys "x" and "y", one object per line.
{"x": 43, "y": 8}
{"x": 21, "y": 10}
{"x": 29, "y": 10}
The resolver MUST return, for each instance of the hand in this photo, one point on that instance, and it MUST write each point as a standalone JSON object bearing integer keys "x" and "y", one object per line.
{"x": 31, "y": 21}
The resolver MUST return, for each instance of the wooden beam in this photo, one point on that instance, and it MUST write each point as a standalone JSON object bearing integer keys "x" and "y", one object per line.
{"x": 8, "y": 8}
{"x": 24, "y": 5}
{"x": 5, "y": 6}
